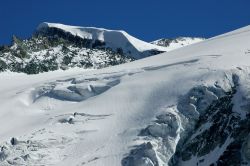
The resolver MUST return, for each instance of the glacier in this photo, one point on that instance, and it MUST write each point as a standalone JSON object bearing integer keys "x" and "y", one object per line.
{"x": 189, "y": 106}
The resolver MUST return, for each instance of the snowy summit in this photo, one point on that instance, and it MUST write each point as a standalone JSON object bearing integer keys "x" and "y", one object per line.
{"x": 114, "y": 39}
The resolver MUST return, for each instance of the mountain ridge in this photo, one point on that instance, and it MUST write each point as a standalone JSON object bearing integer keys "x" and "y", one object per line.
{"x": 114, "y": 39}
{"x": 56, "y": 46}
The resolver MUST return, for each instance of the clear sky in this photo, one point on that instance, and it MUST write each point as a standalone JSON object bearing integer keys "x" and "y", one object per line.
{"x": 144, "y": 19}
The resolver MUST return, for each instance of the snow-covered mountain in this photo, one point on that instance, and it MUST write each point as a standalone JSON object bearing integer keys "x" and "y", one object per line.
{"x": 43, "y": 54}
{"x": 114, "y": 39}
{"x": 176, "y": 43}
{"x": 189, "y": 106}
{"x": 57, "y": 46}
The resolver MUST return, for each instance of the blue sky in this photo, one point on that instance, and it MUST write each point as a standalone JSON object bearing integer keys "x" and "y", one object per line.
{"x": 144, "y": 19}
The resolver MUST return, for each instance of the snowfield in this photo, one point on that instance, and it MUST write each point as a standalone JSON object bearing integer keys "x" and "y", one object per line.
{"x": 139, "y": 113}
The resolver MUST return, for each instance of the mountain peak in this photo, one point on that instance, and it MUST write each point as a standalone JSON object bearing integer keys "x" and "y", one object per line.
{"x": 114, "y": 39}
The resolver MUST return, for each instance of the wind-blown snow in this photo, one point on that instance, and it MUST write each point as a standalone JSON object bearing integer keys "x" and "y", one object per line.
{"x": 98, "y": 116}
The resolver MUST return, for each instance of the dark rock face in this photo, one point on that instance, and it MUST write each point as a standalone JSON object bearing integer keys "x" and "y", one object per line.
{"x": 3, "y": 65}
{"x": 217, "y": 134}
{"x": 13, "y": 141}
{"x": 246, "y": 148}
{"x": 168, "y": 126}
{"x": 207, "y": 130}
{"x": 218, "y": 128}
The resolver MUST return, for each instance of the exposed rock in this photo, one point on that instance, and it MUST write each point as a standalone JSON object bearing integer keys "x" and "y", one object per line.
{"x": 246, "y": 147}
{"x": 42, "y": 54}
{"x": 14, "y": 141}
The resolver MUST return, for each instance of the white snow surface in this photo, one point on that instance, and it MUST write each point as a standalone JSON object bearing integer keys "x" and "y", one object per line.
{"x": 113, "y": 38}
{"x": 79, "y": 117}
{"x": 172, "y": 44}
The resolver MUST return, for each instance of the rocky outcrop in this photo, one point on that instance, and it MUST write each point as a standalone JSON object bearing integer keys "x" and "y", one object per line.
{"x": 45, "y": 53}
{"x": 202, "y": 130}
{"x": 246, "y": 148}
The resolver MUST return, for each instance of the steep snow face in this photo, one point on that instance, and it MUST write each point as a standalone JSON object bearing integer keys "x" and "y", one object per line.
{"x": 115, "y": 39}
{"x": 189, "y": 106}
{"x": 179, "y": 42}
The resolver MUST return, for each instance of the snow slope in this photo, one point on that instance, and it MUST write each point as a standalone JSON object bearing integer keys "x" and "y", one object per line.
{"x": 179, "y": 42}
{"x": 113, "y": 38}
{"x": 132, "y": 114}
